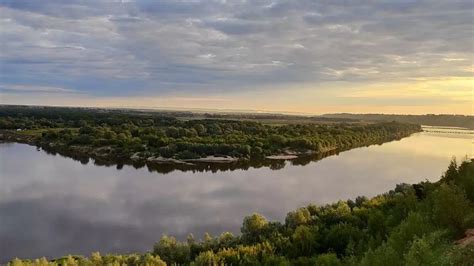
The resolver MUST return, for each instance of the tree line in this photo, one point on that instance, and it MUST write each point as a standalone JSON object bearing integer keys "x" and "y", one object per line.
{"x": 120, "y": 134}
{"x": 466, "y": 121}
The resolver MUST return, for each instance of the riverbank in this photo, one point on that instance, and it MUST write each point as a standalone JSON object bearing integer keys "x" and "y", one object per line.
{"x": 102, "y": 156}
{"x": 152, "y": 139}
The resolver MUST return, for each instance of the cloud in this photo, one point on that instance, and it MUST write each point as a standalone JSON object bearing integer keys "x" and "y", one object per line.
{"x": 33, "y": 88}
{"x": 233, "y": 26}
{"x": 154, "y": 48}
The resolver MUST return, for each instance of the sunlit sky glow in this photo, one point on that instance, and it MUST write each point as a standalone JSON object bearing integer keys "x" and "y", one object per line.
{"x": 287, "y": 56}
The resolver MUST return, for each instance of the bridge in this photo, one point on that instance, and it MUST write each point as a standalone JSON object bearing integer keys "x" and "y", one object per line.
{"x": 463, "y": 132}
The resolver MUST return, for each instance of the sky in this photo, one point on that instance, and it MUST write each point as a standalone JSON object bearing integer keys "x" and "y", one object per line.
{"x": 300, "y": 56}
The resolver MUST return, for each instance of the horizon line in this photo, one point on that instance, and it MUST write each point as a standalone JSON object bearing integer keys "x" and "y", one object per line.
{"x": 223, "y": 110}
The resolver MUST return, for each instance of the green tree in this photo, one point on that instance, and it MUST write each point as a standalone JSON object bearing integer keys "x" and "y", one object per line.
{"x": 252, "y": 226}
{"x": 427, "y": 250}
{"x": 415, "y": 225}
{"x": 328, "y": 259}
{"x": 226, "y": 239}
{"x": 450, "y": 207}
{"x": 172, "y": 251}
{"x": 384, "y": 255}
{"x": 299, "y": 217}
{"x": 304, "y": 240}
{"x": 452, "y": 172}
{"x": 207, "y": 258}
{"x": 200, "y": 129}
{"x": 150, "y": 260}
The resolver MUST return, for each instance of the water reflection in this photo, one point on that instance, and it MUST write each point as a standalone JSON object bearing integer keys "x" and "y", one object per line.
{"x": 51, "y": 205}
{"x": 165, "y": 168}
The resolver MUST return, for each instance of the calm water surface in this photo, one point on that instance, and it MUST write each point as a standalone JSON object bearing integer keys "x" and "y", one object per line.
{"x": 51, "y": 205}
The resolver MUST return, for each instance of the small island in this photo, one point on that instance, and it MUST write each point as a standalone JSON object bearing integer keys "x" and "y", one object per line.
{"x": 156, "y": 138}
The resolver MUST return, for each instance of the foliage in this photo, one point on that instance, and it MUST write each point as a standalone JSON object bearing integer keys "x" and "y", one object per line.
{"x": 94, "y": 260}
{"x": 132, "y": 135}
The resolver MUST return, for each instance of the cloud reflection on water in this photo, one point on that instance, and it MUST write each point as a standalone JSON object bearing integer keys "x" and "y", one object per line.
{"x": 50, "y": 205}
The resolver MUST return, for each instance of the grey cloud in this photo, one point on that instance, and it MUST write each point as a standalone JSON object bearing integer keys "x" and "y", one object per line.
{"x": 33, "y": 88}
{"x": 251, "y": 43}
{"x": 233, "y": 26}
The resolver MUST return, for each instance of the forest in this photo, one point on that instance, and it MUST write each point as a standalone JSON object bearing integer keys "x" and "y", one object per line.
{"x": 121, "y": 135}
{"x": 464, "y": 121}
{"x": 420, "y": 224}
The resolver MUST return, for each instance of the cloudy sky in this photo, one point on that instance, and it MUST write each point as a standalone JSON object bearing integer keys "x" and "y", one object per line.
{"x": 302, "y": 56}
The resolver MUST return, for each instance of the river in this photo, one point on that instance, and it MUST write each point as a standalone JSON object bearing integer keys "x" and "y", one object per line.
{"x": 51, "y": 205}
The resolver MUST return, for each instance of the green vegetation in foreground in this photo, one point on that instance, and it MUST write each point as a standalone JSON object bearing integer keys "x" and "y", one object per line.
{"x": 122, "y": 135}
{"x": 410, "y": 225}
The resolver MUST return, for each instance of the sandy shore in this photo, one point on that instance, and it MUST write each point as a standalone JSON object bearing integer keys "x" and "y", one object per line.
{"x": 282, "y": 157}
{"x": 214, "y": 159}
{"x": 166, "y": 160}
